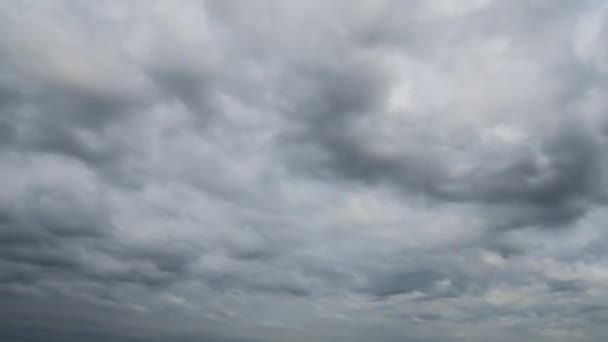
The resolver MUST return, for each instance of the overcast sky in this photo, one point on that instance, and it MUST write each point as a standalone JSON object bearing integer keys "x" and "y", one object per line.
{"x": 268, "y": 171}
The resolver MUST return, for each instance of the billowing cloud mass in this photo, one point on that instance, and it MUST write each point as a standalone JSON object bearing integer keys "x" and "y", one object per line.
{"x": 275, "y": 170}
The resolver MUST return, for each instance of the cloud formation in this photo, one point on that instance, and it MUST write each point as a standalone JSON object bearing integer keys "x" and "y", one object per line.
{"x": 320, "y": 170}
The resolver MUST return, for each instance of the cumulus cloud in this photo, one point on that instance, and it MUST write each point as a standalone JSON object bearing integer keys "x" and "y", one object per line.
{"x": 320, "y": 170}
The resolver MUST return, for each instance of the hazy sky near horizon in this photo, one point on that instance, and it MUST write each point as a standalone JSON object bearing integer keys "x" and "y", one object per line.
{"x": 265, "y": 171}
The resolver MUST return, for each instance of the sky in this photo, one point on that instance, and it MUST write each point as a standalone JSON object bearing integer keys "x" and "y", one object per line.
{"x": 276, "y": 170}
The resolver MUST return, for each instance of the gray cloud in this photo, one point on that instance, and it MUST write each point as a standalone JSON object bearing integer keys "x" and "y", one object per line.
{"x": 282, "y": 171}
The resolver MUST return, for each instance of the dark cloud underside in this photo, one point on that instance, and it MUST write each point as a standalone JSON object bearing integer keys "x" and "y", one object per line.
{"x": 238, "y": 171}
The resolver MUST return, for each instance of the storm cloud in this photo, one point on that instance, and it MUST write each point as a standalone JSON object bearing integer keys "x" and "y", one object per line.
{"x": 275, "y": 170}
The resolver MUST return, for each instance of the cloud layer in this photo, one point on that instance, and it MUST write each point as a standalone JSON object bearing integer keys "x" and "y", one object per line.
{"x": 303, "y": 170}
